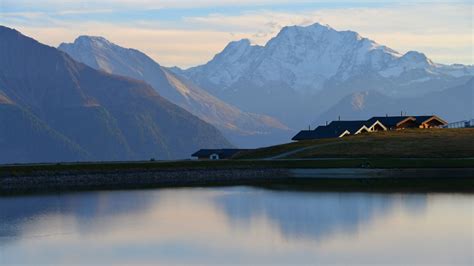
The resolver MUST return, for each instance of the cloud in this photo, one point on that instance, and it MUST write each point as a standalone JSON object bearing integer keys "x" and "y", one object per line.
{"x": 438, "y": 30}
{"x": 168, "y": 47}
{"x": 443, "y": 31}
{"x": 145, "y": 4}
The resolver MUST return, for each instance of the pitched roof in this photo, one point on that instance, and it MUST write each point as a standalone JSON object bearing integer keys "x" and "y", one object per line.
{"x": 392, "y": 121}
{"x": 423, "y": 118}
{"x": 337, "y": 128}
{"x": 388, "y": 121}
{"x": 351, "y": 126}
{"x": 321, "y": 132}
{"x": 304, "y": 135}
{"x": 224, "y": 153}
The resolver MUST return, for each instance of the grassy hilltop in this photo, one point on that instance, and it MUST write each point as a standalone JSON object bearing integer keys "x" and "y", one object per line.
{"x": 408, "y": 160}
{"x": 436, "y": 148}
{"x": 409, "y": 143}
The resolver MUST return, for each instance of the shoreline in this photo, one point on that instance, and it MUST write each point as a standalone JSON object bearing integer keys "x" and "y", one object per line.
{"x": 59, "y": 178}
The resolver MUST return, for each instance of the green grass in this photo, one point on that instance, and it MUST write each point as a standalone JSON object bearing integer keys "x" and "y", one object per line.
{"x": 433, "y": 148}
{"x": 410, "y": 143}
{"x": 278, "y": 149}
{"x": 18, "y": 170}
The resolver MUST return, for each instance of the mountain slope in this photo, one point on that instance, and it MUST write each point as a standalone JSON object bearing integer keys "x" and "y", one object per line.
{"x": 25, "y": 138}
{"x": 452, "y": 104}
{"x": 305, "y": 70}
{"x": 244, "y": 129}
{"x": 109, "y": 117}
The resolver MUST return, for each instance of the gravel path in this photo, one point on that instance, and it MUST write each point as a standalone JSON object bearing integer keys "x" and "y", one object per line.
{"x": 288, "y": 153}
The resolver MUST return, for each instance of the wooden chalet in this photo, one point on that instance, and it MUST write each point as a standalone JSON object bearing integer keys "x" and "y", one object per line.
{"x": 338, "y": 129}
{"x": 358, "y": 126}
{"x": 430, "y": 121}
{"x": 321, "y": 132}
{"x": 401, "y": 122}
{"x": 395, "y": 122}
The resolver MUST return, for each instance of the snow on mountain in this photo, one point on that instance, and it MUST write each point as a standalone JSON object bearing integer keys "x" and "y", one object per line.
{"x": 306, "y": 57}
{"x": 304, "y": 70}
{"x": 242, "y": 128}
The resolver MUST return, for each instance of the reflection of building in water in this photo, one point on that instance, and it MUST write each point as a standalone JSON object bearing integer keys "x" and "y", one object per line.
{"x": 315, "y": 215}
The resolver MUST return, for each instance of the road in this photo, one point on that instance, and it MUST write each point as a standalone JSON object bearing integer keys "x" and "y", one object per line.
{"x": 288, "y": 153}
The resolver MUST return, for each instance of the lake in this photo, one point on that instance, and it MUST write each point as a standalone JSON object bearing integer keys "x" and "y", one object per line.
{"x": 236, "y": 225}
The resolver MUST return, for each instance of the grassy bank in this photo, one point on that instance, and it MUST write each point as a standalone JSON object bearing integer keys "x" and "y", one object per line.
{"x": 390, "y": 174}
{"x": 410, "y": 143}
{"x": 408, "y": 160}
{"x": 352, "y": 174}
{"x": 15, "y": 170}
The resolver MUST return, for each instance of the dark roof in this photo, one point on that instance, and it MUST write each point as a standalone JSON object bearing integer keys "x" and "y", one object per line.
{"x": 351, "y": 126}
{"x": 336, "y": 128}
{"x": 422, "y": 118}
{"x": 321, "y": 132}
{"x": 392, "y": 121}
{"x": 223, "y": 153}
{"x": 303, "y": 135}
{"x": 388, "y": 121}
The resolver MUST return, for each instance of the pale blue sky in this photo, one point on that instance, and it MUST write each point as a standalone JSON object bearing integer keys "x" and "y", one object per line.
{"x": 187, "y": 33}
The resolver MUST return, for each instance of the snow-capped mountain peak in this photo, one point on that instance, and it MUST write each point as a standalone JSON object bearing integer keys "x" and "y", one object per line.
{"x": 302, "y": 57}
{"x": 303, "y": 64}
{"x": 97, "y": 41}
{"x": 101, "y": 54}
{"x": 235, "y": 50}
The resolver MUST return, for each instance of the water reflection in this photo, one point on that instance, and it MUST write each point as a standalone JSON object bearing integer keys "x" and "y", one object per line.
{"x": 83, "y": 208}
{"x": 314, "y": 216}
{"x": 235, "y": 225}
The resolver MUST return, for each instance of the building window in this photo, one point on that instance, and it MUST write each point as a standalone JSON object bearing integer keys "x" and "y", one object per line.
{"x": 214, "y": 156}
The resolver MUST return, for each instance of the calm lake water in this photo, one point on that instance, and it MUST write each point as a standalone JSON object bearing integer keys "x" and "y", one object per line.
{"x": 236, "y": 225}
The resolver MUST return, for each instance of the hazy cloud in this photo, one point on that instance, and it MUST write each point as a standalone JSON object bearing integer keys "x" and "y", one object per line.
{"x": 443, "y": 31}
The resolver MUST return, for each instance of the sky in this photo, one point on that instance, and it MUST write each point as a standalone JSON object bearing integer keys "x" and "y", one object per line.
{"x": 186, "y": 33}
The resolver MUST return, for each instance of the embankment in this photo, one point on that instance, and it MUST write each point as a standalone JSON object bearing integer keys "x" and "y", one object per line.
{"x": 77, "y": 177}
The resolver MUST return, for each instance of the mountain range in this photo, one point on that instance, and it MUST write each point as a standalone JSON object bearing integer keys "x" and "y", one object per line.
{"x": 304, "y": 71}
{"x": 241, "y": 128}
{"x": 53, "y": 108}
{"x": 94, "y": 100}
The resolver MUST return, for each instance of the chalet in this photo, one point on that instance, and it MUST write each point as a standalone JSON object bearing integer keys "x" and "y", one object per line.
{"x": 430, "y": 121}
{"x": 338, "y": 129}
{"x": 358, "y": 126}
{"x": 395, "y": 122}
{"x": 321, "y": 132}
{"x": 402, "y": 122}
{"x": 376, "y": 126}
{"x": 216, "y": 154}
